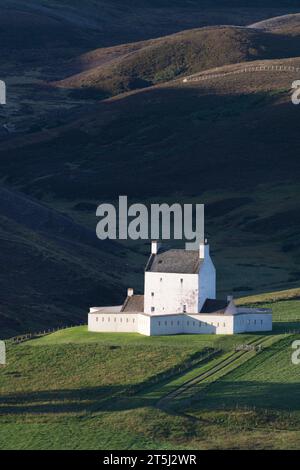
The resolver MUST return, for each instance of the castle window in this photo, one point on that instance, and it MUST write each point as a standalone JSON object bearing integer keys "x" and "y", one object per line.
{"x": 181, "y": 280}
{"x": 133, "y": 320}
{"x": 152, "y": 309}
{"x": 152, "y": 294}
{"x": 254, "y": 322}
{"x": 193, "y": 323}
{"x": 161, "y": 279}
{"x": 159, "y": 323}
{"x": 108, "y": 318}
{"x": 178, "y": 323}
{"x": 184, "y": 309}
{"x": 171, "y": 323}
{"x": 121, "y": 320}
{"x": 102, "y": 318}
{"x": 115, "y": 319}
{"x": 261, "y": 322}
{"x": 187, "y": 323}
{"x": 97, "y": 318}
{"x": 126, "y": 320}
{"x": 166, "y": 323}
{"x": 199, "y": 324}
{"x": 224, "y": 324}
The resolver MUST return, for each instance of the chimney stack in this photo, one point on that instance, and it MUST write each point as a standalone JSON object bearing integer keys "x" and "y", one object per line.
{"x": 229, "y": 298}
{"x": 129, "y": 292}
{"x": 154, "y": 247}
{"x": 203, "y": 249}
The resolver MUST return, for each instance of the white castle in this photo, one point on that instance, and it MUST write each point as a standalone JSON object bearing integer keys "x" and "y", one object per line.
{"x": 179, "y": 297}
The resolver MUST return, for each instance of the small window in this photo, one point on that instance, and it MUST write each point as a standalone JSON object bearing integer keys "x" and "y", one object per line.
{"x": 187, "y": 323}
{"x": 102, "y": 318}
{"x": 200, "y": 324}
{"x": 181, "y": 280}
{"x": 166, "y": 323}
{"x": 184, "y": 309}
{"x": 108, "y": 318}
{"x": 126, "y": 320}
{"x": 159, "y": 323}
{"x": 254, "y": 322}
{"x": 152, "y": 294}
{"x": 97, "y": 318}
{"x": 261, "y": 322}
{"x": 161, "y": 279}
{"x": 115, "y": 319}
{"x": 121, "y": 319}
{"x": 224, "y": 324}
{"x": 178, "y": 323}
{"x": 193, "y": 323}
{"x": 218, "y": 324}
{"x": 152, "y": 309}
{"x": 133, "y": 320}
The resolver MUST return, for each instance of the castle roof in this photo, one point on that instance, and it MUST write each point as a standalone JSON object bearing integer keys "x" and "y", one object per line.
{"x": 175, "y": 261}
{"x": 215, "y": 306}
{"x": 133, "y": 303}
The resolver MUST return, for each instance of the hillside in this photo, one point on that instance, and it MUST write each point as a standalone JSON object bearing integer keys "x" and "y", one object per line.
{"x": 63, "y": 153}
{"x": 182, "y": 134}
{"x": 286, "y": 24}
{"x": 123, "y": 68}
{"x": 54, "y": 268}
{"x": 99, "y": 383}
{"x": 110, "y": 22}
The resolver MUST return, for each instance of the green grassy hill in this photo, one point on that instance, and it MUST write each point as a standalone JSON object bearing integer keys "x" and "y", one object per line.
{"x": 79, "y": 390}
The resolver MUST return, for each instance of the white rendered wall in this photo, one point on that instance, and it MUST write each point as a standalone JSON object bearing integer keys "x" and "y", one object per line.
{"x": 171, "y": 292}
{"x": 252, "y": 322}
{"x": 169, "y": 324}
{"x": 191, "y": 324}
{"x": 207, "y": 280}
{"x": 144, "y": 324}
{"x": 113, "y": 322}
{"x": 166, "y": 325}
{"x": 209, "y": 324}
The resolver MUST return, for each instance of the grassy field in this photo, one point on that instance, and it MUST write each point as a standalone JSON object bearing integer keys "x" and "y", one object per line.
{"x": 79, "y": 390}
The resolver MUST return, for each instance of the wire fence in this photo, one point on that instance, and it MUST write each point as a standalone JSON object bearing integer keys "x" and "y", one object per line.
{"x": 28, "y": 336}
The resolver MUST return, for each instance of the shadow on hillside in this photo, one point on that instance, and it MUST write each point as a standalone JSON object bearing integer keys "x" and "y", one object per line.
{"x": 56, "y": 401}
{"x": 286, "y": 327}
{"x": 251, "y": 395}
{"x": 221, "y": 396}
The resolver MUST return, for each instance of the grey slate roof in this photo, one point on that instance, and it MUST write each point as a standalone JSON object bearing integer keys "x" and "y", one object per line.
{"x": 134, "y": 303}
{"x": 175, "y": 261}
{"x": 215, "y": 306}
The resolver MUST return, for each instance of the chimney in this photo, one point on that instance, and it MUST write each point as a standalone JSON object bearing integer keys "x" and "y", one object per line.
{"x": 203, "y": 249}
{"x": 129, "y": 292}
{"x": 154, "y": 247}
{"x": 229, "y": 298}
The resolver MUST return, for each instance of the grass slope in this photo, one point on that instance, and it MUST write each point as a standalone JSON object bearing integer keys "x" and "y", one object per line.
{"x": 260, "y": 397}
{"x": 76, "y": 390}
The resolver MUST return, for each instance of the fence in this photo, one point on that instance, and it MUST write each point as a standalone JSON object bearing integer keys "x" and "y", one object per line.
{"x": 28, "y": 336}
